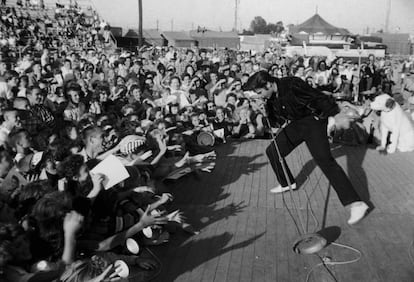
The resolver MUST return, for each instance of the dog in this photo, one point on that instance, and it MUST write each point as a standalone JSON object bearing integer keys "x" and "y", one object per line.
{"x": 395, "y": 121}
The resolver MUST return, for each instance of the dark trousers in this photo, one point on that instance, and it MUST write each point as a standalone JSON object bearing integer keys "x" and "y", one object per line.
{"x": 313, "y": 132}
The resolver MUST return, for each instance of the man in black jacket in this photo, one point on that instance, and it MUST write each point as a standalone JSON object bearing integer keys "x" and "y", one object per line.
{"x": 305, "y": 110}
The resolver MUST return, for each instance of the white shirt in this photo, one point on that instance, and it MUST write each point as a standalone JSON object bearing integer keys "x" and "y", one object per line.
{"x": 4, "y": 135}
{"x": 4, "y": 89}
{"x": 182, "y": 98}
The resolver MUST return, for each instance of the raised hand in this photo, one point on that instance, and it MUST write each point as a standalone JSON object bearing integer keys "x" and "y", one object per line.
{"x": 72, "y": 223}
{"x": 142, "y": 189}
{"x": 162, "y": 144}
{"x": 165, "y": 197}
{"x": 131, "y": 143}
{"x": 97, "y": 180}
{"x": 147, "y": 264}
{"x": 109, "y": 274}
{"x": 176, "y": 216}
{"x": 147, "y": 219}
{"x": 145, "y": 155}
{"x": 31, "y": 177}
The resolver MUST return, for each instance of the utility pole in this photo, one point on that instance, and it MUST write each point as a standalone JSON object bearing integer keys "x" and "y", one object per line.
{"x": 236, "y": 14}
{"x": 140, "y": 38}
{"x": 158, "y": 24}
{"x": 172, "y": 24}
{"x": 387, "y": 16}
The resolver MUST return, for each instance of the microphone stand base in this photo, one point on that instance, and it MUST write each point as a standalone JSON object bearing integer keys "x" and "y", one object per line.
{"x": 309, "y": 244}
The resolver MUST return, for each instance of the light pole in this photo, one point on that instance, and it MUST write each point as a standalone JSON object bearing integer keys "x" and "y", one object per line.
{"x": 360, "y": 50}
{"x": 140, "y": 39}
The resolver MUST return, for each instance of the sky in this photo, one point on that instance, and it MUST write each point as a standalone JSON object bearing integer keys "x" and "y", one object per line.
{"x": 355, "y": 15}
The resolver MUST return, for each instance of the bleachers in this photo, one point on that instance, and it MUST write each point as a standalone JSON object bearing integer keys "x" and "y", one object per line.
{"x": 86, "y": 5}
{"x": 49, "y": 10}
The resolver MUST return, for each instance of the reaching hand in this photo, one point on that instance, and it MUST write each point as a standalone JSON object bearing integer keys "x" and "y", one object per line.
{"x": 131, "y": 143}
{"x": 162, "y": 144}
{"x": 147, "y": 219}
{"x": 109, "y": 274}
{"x": 32, "y": 177}
{"x": 165, "y": 197}
{"x": 174, "y": 148}
{"x": 259, "y": 105}
{"x": 142, "y": 189}
{"x": 187, "y": 132}
{"x": 176, "y": 216}
{"x": 72, "y": 223}
{"x": 145, "y": 155}
{"x": 97, "y": 180}
{"x": 117, "y": 95}
{"x": 147, "y": 265}
{"x": 222, "y": 81}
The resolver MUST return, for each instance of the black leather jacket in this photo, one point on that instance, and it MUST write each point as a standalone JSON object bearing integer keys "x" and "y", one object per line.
{"x": 296, "y": 100}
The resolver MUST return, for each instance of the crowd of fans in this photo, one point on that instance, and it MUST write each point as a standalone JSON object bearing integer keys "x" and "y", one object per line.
{"x": 68, "y": 103}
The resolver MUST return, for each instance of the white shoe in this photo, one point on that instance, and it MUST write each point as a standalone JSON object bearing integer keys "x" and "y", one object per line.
{"x": 279, "y": 189}
{"x": 358, "y": 210}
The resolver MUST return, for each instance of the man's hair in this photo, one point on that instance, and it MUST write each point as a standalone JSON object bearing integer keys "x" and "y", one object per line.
{"x": 258, "y": 80}
{"x": 5, "y": 155}
{"x": 89, "y": 132}
{"x": 15, "y": 135}
{"x": 9, "y": 233}
{"x": 231, "y": 95}
{"x": 73, "y": 87}
{"x": 133, "y": 87}
{"x": 18, "y": 100}
{"x": 177, "y": 78}
{"x": 49, "y": 213}
{"x": 70, "y": 166}
{"x": 35, "y": 87}
{"x": 31, "y": 193}
{"x": 7, "y": 112}
{"x": 10, "y": 75}
{"x": 161, "y": 66}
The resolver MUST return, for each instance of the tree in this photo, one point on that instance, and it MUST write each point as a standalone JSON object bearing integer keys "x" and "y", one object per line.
{"x": 279, "y": 27}
{"x": 258, "y": 25}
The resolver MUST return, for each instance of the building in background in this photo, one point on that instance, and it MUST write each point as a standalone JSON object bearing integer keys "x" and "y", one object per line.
{"x": 397, "y": 43}
{"x": 320, "y": 30}
{"x": 151, "y": 37}
{"x": 179, "y": 39}
{"x": 216, "y": 39}
{"x": 257, "y": 42}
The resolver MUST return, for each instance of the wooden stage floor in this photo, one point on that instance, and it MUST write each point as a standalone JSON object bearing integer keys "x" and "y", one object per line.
{"x": 247, "y": 234}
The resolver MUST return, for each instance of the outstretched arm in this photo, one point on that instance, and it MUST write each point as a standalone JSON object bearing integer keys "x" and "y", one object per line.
{"x": 120, "y": 238}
